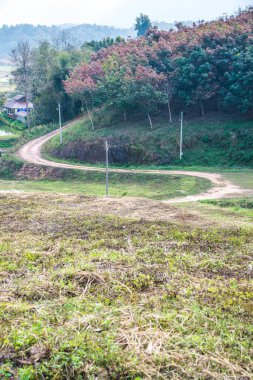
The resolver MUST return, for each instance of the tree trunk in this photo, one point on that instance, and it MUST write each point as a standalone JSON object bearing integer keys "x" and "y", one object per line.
{"x": 28, "y": 117}
{"x": 91, "y": 120}
{"x": 27, "y": 99}
{"x": 90, "y": 117}
{"x": 83, "y": 108}
{"x": 125, "y": 116}
{"x": 170, "y": 115}
{"x": 202, "y": 108}
{"x": 150, "y": 122}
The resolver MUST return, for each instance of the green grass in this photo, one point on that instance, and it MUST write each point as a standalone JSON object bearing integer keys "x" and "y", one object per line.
{"x": 130, "y": 185}
{"x": 243, "y": 207}
{"x": 19, "y": 134}
{"x": 10, "y": 138}
{"x": 214, "y": 141}
{"x": 243, "y": 178}
{"x": 86, "y": 294}
{"x": 23, "y": 135}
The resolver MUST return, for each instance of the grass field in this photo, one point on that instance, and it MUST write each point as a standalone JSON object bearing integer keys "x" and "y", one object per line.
{"x": 124, "y": 289}
{"x": 131, "y": 185}
{"x": 5, "y": 78}
{"x": 243, "y": 207}
{"x": 243, "y": 178}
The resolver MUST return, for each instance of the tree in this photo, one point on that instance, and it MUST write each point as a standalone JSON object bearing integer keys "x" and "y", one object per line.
{"x": 82, "y": 83}
{"x": 164, "y": 62}
{"x": 142, "y": 25}
{"x": 238, "y": 87}
{"x": 169, "y": 86}
{"x": 197, "y": 79}
{"x": 105, "y": 43}
{"x": 57, "y": 74}
{"x": 49, "y": 68}
{"x": 64, "y": 41}
{"x": 2, "y": 99}
{"x": 21, "y": 56}
{"x": 146, "y": 90}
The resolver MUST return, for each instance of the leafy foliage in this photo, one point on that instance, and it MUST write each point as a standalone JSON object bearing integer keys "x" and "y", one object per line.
{"x": 202, "y": 67}
{"x": 207, "y": 66}
{"x": 142, "y": 25}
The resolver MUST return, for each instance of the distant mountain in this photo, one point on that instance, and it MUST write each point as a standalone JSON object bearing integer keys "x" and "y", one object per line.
{"x": 11, "y": 35}
{"x": 87, "y": 32}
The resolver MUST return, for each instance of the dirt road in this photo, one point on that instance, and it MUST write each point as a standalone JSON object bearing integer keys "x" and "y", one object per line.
{"x": 31, "y": 152}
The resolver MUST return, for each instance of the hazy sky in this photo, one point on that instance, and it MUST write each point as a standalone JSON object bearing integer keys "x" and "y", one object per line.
{"x": 112, "y": 12}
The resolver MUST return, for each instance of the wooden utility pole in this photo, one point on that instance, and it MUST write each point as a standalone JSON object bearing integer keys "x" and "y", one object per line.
{"x": 60, "y": 124}
{"x": 107, "y": 167}
{"x": 181, "y": 134}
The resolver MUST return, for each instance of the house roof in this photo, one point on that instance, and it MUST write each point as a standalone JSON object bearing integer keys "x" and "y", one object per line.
{"x": 19, "y": 97}
{"x": 17, "y": 103}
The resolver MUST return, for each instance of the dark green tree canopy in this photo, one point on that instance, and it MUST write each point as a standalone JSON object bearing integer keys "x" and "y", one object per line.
{"x": 142, "y": 25}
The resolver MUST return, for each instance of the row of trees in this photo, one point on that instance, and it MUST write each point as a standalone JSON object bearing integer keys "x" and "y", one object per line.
{"x": 206, "y": 66}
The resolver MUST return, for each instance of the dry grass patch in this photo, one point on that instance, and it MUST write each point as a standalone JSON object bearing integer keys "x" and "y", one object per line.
{"x": 86, "y": 294}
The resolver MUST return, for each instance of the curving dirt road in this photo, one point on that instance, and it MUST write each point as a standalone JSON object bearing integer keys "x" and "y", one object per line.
{"x": 31, "y": 152}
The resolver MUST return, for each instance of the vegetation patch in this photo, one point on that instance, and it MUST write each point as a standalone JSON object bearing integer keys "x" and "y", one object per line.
{"x": 93, "y": 183}
{"x": 10, "y": 131}
{"x": 14, "y": 124}
{"x": 211, "y": 141}
{"x": 243, "y": 207}
{"x": 239, "y": 203}
{"x": 9, "y": 167}
{"x": 86, "y": 294}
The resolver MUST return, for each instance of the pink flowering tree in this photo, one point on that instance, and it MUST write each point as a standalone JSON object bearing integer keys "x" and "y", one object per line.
{"x": 82, "y": 84}
{"x": 131, "y": 84}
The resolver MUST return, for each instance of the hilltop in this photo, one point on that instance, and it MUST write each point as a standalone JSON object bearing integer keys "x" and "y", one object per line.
{"x": 141, "y": 86}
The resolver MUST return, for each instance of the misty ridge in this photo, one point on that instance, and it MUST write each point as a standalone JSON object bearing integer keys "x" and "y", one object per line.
{"x": 78, "y": 34}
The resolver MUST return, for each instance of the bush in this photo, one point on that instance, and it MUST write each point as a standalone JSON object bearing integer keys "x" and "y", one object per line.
{"x": 9, "y": 167}
{"x": 12, "y": 123}
{"x": 242, "y": 203}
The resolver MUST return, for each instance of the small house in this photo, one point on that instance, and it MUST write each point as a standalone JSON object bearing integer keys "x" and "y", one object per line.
{"x": 17, "y": 108}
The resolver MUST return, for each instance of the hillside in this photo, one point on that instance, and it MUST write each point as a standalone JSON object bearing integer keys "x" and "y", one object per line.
{"x": 205, "y": 70}
{"x": 215, "y": 140}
